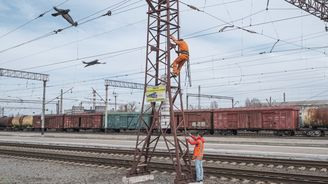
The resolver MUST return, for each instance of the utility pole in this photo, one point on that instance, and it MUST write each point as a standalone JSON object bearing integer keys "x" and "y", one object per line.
{"x": 61, "y": 101}
{"x": 269, "y": 101}
{"x": 43, "y": 106}
{"x": 57, "y": 107}
{"x": 106, "y": 106}
{"x": 198, "y": 96}
{"x": 2, "y": 111}
{"x": 115, "y": 96}
{"x": 163, "y": 94}
{"x": 94, "y": 99}
{"x": 284, "y": 97}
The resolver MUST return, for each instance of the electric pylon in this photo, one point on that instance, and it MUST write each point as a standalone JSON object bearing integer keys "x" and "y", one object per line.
{"x": 162, "y": 96}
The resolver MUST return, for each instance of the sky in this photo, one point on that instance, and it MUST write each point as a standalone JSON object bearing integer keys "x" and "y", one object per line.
{"x": 280, "y": 49}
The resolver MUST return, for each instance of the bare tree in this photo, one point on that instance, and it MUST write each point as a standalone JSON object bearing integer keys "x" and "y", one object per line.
{"x": 122, "y": 108}
{"x": 255, "y": 102}
{"x": 131, "y": 107}
{"x": 214, "y": 105}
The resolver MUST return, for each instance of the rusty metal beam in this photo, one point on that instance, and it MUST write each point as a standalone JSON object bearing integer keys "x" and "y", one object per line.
{"x": 318, "y": 8}
{"x": 151, "y": 6}
{"x": 163, "y": 22}
{"x": 31, "y": 76}
{"x": 124, "y": 84}
{"x": 23, "y": 74}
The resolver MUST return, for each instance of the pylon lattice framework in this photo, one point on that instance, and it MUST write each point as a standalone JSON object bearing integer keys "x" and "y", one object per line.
{"x": 318, "y": 8}
{"x": 163, "y": 21}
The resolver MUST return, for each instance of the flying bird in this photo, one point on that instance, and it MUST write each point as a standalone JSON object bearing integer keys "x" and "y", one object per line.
{"x": 65, "y": 15}
{"x": 94, "y": 62}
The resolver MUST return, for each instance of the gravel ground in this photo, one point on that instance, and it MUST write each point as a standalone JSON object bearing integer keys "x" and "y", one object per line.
{"x": 35, "y": 171}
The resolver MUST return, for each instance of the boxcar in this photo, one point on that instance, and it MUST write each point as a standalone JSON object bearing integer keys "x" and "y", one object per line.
{"x": 196, "y": 119}
{"x": 55, "y": 122}
{"x": 255, "y": 119}
{"x": 83, "y": 121}
{"x": 126, "y": 120}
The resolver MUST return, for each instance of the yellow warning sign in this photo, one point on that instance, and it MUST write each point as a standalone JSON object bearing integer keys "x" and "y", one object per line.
{"x": 155, "y": 93}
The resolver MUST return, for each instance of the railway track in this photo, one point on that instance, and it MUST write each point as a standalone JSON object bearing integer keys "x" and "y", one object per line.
{"x": 83, "y": 155}
{"x": 214, "y": 158}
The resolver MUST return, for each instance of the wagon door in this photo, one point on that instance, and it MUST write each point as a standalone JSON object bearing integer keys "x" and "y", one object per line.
{"x": 268, "y": 122}
{"x": 243, "y": 120}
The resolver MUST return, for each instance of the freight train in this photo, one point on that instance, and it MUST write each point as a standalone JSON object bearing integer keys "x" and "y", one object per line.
{"x": 275, "y": 120}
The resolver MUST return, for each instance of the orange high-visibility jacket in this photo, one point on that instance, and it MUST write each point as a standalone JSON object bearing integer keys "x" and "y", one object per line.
{"x": 199, "y": 147}
{"x": 183, "y": 47}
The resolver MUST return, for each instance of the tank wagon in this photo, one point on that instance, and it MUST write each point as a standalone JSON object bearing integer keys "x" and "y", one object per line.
{"x": 21, "y": 122}
{"x": 314, "y": 120}
{"x": 5, "y": 122}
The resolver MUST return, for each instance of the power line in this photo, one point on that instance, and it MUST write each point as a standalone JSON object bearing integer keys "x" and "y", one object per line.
{"x": 88, "y": 57}
{"x": 58, "y": 30}
{"x": 30, "y": 21}
{"x": 238, "y": 27}
{"x": 72, "y": 42}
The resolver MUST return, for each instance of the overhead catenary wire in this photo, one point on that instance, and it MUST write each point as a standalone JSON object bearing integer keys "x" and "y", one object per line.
{"x": 120, "y": 75}
{"x": 126, "y": 74}
{"x": 87, "y": 57}
{"x": 32, "y": 20}
{"x": 97, "y": 79}
{"x": 72, "y": 42}
{"x": 187, "y": 38}
{"x": 211, "y": 60}
{"x": 244, "y": 28}
{"x": 43, "y": 51}
{"x": 108, "y": 13}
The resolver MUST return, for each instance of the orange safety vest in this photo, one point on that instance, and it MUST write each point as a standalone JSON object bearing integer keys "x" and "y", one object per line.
{"x": 199, "y": 150}
{"x": 183, "y": 47}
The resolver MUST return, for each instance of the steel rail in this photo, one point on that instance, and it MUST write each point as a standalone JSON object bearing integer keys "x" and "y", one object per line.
{"x": 222, "y": 158}
{"x": 210, "y": 170}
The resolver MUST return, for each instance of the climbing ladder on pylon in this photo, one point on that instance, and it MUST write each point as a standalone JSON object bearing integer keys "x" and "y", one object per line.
{"x": 162, "y": 96}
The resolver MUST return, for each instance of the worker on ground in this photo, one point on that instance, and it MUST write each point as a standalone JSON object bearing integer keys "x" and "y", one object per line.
{"x": 183, "y": 52}
{"x": 198, "y": 154}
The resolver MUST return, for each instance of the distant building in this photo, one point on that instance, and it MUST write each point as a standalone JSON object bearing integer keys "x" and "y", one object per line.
{"x": 100, "y": 108}
{"x": 81, "y": 109}
{"x": 305, "y": 103}
{"x": 75, "y": 110}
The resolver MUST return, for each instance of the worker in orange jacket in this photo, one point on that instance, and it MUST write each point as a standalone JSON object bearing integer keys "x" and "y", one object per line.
{"x": 198, "y": 154}
{"x": 183, "y": 55}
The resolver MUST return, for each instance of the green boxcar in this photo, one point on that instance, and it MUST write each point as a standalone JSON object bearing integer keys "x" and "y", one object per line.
{"x": 125, "y": 120}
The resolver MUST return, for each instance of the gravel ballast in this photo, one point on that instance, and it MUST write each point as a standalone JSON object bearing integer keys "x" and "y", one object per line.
{"x": 21, "y": 170}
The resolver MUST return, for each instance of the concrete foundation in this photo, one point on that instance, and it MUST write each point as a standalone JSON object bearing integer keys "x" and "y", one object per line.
{"x": 137, "y": 179}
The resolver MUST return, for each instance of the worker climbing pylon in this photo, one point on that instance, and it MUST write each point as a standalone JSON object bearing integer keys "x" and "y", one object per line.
{"x": 183, "y": 52}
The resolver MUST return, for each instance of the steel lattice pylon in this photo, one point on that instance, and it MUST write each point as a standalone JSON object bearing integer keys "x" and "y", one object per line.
{"x": 318, "y": 8}
{"x": 163, "y": 21}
